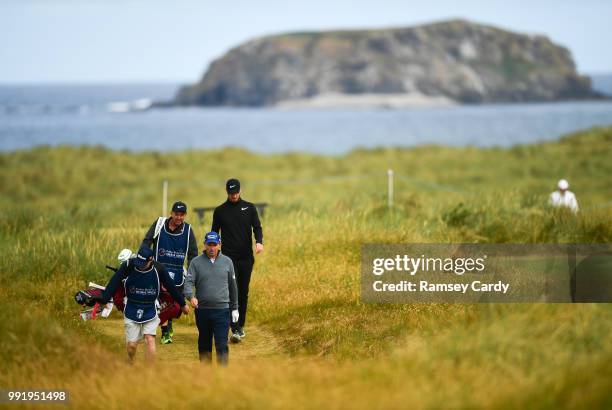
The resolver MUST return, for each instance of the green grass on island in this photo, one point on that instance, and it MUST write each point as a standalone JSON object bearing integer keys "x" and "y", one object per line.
{"x": 66, "y": 212}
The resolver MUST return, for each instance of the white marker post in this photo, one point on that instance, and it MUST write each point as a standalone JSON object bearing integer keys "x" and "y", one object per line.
{"x": 390, "y": 188}
{"x": 165, "y": 199}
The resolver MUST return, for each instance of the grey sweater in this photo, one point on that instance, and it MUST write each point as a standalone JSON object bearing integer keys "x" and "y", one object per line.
{"x": 214, "y": 284}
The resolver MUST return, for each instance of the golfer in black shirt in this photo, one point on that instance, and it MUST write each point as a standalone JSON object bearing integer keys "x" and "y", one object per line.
{"x": 235, "y": 219}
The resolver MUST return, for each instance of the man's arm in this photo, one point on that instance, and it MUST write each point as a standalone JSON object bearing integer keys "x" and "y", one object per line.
{"x": 168, "y": 283}
{"x": 192, "y": 252}
{"x": 148, "y": 239}
{"x": 233, "y": 289}
{"x": 216, "y": 223}
{"x": 256, "y": 224}
{"x": 114, "y": 282}
{"x": 190, "y": 280}
{"x": 574, "y": 204}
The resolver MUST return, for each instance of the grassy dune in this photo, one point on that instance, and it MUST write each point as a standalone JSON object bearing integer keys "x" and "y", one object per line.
{"x": 66, "y": 212}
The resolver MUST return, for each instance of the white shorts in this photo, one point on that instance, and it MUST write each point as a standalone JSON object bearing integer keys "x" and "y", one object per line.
{"x": 135, "y": 331}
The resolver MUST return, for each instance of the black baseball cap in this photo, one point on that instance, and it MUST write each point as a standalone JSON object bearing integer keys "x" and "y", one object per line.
{"x": 144, "y": 255}
{"x": 179, "y": 206}
{"x": 232, "y": 186}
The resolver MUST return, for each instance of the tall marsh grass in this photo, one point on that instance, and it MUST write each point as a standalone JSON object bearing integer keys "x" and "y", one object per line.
{"x": 66, "y": 212}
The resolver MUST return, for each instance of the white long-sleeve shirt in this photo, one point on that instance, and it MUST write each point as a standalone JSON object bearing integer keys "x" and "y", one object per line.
{"x": 568, "y": 199}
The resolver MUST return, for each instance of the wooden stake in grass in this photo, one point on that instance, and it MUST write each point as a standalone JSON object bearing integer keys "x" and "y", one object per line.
{"x": 165, "y": 199}
{"x": 390, "y": 188}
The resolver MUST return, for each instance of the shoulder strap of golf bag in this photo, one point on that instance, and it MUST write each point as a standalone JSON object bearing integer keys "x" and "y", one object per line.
{"x": 158, "y": 227}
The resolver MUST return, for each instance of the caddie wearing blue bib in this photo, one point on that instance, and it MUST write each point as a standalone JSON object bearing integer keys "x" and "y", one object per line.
{"x": 171, "y": 251}
{"x": 173, "y": 243}
{"x": 142, "y": 278}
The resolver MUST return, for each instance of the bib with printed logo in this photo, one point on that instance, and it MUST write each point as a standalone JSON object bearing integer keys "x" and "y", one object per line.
{"x": 172, "y": 252}
{"x": 141, "y": 291}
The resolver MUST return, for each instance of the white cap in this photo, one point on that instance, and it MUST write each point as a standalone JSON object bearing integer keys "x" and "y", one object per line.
{"x": 563, "y": 184}
{"x": 124, "y": 255}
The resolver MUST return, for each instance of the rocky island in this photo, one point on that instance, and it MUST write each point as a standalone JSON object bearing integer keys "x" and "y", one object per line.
{"x": 451, "y": 62}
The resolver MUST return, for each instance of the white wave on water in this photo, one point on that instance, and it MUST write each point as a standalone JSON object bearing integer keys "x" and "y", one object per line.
{"x": 141, "y": 104}
{"x": 40, "y": 100}
{"x": 115, "y": 107}
{"x": 118, "y": 107}
{"x": 42, "y": 109}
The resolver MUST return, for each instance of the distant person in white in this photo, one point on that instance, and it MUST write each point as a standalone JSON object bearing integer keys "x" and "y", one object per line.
{"x": 563, "y": 198}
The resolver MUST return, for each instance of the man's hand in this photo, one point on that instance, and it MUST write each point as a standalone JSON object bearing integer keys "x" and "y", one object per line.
{"x": 258, "y": 248}
{"x": 194, "y": 302}
{"x": 235, "y": 315}
{"x": 185, "y": 309}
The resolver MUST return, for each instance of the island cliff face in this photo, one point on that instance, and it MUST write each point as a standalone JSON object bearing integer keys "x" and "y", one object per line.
{"x": 456, "y": 60}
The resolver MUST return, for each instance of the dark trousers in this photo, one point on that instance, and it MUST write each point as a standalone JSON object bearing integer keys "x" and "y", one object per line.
{"x": 213, "y": 323}
{"x": 243, "y": 269}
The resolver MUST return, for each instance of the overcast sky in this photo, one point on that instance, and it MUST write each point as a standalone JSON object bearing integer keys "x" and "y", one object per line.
{"x": 68, "y": 41}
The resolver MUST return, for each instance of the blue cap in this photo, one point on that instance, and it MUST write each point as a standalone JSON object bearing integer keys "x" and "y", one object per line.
{"x": 212, "y": 237}
{"x": 141, "y": 259}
